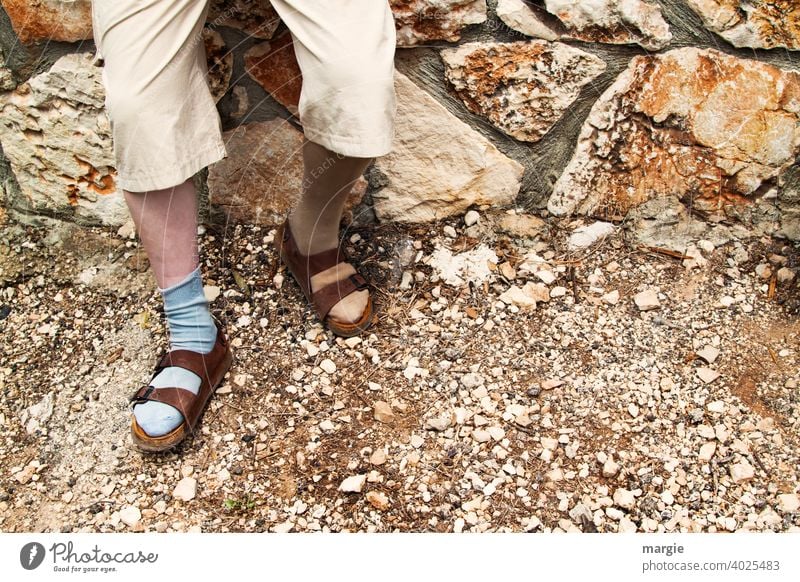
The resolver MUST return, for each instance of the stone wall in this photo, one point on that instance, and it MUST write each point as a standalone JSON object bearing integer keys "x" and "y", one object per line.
{"x": 656, "y": 113}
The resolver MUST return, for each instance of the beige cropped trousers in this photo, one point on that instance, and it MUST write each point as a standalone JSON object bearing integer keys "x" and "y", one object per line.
{"x": 164, "y": 121}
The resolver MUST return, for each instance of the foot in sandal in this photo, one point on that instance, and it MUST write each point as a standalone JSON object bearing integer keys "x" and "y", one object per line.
{"x": 181, "y": 375}
{"x": 338, "y": 293}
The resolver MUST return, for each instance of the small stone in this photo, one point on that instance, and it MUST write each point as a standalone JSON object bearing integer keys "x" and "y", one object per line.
{"x": 785, "y": 275}
{"x": 707, "y": 451}
{"x": 406, "y": 280}
{"x": 586, "y": 236}
{"x": 717, "y": 406}
{"x": 326, "y": 425}
{"x": 709, "y": 353}
{"x": 789, "y": 502}
{"x": 647, "y": 300}
{"x": 546, "y": 276}
{"x": 550, "y": 384}
{"x": 450, "y": 231}
{"x": 471, "y": 217}
{"x": 667, "y": 497}
{"x": 186, "y": 489}
{"x": 764, "y": 271}
{"x": 612, "y": 297}
{"x": 382, "y": 412}
{"x": 352, "y": 342}
{"x": 496, "y": 432}
{"x": 624, "y": 498}
{"x": 327, "y": 366}
{"x": 130, "y": 515}
{"x": 480, "y": 435}
{"x": 741, "y": 472}
{"x": 549, "y": 444}
{"x": 706, "y": 246}
{"x": 378, "y": 500}
{"x": 438, "y": 423}
{"x": 633, "y": 410}
{"x": 558, "y": 292}
{"x": 707, "y": 375}
{"x": 378, "y": 457}
{"x": 610, "y": 468}
{"x": 507, "y": 271}
{"x": 472, "y": 380}
{"x": 211, "y": 292}
{"x": 353, "y": 484}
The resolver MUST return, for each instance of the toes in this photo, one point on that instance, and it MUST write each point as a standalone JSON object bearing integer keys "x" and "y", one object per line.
{"x": 156, "y": 418}
{"x": 350, "y": 308}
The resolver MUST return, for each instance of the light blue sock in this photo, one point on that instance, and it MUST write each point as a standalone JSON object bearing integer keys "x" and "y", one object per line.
{"x": 191, "y": 327}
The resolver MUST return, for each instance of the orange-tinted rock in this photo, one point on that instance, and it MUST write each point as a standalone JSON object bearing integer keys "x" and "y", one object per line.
{"x": 714, "y": 130}
{"x": 420, "y": 21}
{"x": 262, "y": 177}
{"x": 273, "y": 66}
{"x": 255, "y": 17}
{"x": 522, "y": 87}
{"x": 57, "y": 138}
{"x": 42, "y": 20}
{"x": 744, "y": 23}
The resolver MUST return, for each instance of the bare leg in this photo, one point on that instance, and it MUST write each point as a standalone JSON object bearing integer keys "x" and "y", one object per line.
{"x": 328, "y": 179}
{"x": 166, "y": 221}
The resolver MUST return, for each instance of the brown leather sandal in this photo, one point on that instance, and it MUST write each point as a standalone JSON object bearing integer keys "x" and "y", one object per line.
{"x": 303, "y": 267}
{"x": 211, "y": 369}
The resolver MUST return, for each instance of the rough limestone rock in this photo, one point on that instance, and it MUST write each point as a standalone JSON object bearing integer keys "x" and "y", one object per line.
{"x": 262, "y": 177}
{"x": 753, "y": 24}
{"x": 273, "y": 66}
{"x": 713, "y": 130}
{"x": 439, "y": 166}
{"x": 665, "y": 223}
{"x": 254, "y": 17}
{"x": 419, "y": 21}
{"x": 48, "y": 20}
{"x": 7, "y": 81}
{"x": 529, "y": 19}
{"x": 608, "y": 21}
{"x": 522, "y": 87}
{"x": 220, "y": 63}
{"x": 56, "y": 136}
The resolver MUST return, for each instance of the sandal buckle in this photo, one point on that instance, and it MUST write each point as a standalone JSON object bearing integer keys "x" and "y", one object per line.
{"x": 143, "y": 397}
{"x": 358, "y": 281}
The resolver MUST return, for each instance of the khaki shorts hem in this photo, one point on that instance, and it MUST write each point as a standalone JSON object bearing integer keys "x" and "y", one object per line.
{"x": 147, "y": 181}
{"x": 349, "y": 146}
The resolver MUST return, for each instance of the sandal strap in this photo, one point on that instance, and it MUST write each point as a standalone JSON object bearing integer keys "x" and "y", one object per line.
{"x": 329, "y": 295}
{"x": 189, "y": 404}
{"x": 193, "y": 361}
{"x": 306, "y": 266}
{"x": 177, "y": 397}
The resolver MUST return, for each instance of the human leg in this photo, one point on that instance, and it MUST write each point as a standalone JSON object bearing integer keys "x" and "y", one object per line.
{"x": 347, "y": 108}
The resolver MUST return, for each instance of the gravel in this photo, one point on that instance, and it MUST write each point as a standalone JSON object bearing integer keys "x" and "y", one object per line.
{"x": 574, "y": 408}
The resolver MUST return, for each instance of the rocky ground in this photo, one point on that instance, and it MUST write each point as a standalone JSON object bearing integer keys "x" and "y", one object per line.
{"x": 513, "y": 383}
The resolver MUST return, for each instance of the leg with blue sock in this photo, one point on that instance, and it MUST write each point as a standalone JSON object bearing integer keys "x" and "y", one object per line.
{"x": 166, "y": 221}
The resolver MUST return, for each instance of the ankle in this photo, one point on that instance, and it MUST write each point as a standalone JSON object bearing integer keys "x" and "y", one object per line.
{"x": 189, "y": 320}
{"x": 313, "y": 237}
